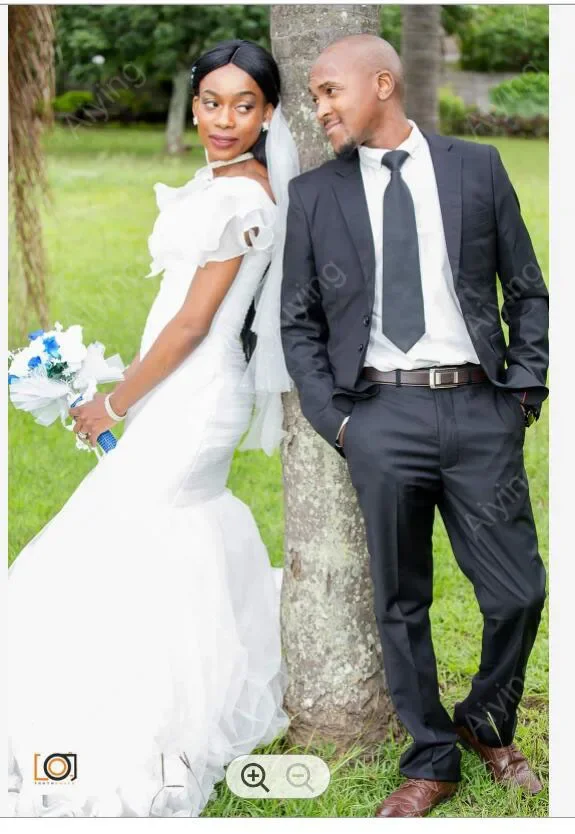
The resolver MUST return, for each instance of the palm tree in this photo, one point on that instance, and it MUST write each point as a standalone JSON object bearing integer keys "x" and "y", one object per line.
{"x": 31, "y": 88}
{"x": 421, "y": 57}
{"x": 337, "y": 691}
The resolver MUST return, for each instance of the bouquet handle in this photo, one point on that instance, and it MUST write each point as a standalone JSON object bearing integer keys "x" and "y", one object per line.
{"x": 106, "y": 440}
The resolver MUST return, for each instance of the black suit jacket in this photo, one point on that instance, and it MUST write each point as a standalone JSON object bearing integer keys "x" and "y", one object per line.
{"x": 329, "y": 278}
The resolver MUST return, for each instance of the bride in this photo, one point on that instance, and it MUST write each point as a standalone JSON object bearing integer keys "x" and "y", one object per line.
{"x": 144, "y": 652}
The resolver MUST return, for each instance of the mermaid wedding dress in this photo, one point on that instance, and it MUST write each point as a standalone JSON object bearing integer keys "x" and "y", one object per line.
{"x": 144, "y": 644}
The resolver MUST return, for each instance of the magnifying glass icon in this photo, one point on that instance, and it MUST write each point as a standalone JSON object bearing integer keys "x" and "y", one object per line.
{"x": 298, "y": 775}
{"x": 253, "y": 776}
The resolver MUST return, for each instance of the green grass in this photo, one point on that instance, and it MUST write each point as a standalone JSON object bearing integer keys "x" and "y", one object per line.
{"x": 96, "y": 234}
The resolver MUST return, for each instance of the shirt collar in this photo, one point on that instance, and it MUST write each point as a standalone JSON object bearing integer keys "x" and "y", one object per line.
{"x": 372, "y": 156}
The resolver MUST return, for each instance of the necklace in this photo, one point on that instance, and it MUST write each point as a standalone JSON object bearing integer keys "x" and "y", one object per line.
{"x": 219, "y": 163}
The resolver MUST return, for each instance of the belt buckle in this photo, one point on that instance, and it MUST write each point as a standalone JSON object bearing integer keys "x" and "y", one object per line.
{"x": 432, "y": 377}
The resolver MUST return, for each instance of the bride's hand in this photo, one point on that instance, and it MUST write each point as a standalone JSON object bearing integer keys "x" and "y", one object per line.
{"x": 92, "y": 418}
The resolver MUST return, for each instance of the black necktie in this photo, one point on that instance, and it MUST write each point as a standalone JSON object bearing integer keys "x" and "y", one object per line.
{"x": 403, "y": 320}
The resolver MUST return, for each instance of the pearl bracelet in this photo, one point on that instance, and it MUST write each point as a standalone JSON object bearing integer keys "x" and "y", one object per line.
{"x": 110, "y": 410}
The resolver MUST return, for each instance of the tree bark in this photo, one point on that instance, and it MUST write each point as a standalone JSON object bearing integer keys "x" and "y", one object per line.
{"x": 421, "y": 57}
{"x": 31, "y": 39}
{"x": 337, "y": 690}
{"x": 176, "y": 123}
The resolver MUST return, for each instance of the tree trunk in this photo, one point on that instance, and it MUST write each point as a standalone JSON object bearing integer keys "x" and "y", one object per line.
{"x": 31, "y": 88}
{"x": 176, "y": 123}
{"x": 337, "y": 689}
{"x": 421, "y": 57}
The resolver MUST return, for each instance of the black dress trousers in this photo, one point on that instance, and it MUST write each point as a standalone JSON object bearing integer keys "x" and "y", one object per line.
{"x": 410, "y": 449}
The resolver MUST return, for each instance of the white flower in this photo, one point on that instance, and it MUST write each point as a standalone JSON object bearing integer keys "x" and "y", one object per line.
{"x": 19, "y": 365}
{"x": 72, "y": 349}
{"x": 37, "y": 346}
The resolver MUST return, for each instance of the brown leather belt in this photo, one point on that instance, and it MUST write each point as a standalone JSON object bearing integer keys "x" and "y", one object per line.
{"x": 440, "y": 376}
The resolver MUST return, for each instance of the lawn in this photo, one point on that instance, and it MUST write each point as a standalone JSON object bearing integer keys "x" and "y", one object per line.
{"x": 96, "y": 234}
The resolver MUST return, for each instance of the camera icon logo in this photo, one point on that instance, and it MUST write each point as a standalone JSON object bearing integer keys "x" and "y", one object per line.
{"x": 55, "y": 767}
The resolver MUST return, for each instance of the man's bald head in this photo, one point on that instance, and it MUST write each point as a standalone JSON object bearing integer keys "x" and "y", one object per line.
{"x": 366, "y": 54}
{"x": 357, "y": 87}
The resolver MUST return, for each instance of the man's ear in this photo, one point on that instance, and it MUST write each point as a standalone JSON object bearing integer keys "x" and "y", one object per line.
{"x": 385, "y": 85}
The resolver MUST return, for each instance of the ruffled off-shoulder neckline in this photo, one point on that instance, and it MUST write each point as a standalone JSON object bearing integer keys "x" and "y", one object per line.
{"x": 207, "y": 218}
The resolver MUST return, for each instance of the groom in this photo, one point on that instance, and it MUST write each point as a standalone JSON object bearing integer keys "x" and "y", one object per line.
{"x": 391, "y": 332}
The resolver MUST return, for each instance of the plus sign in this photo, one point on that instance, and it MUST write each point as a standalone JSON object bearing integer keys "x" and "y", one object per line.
{"x": 253, "y": 775}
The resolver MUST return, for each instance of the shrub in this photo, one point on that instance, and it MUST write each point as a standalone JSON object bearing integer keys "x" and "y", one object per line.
{"x": 506, "y": 39}
{"x": 455, "y": 19}
{"x": 130, "y": 105}
{"x": 458, "y": 119}
{"x": 500, "y": 124}
{"x": 526, "y": 96}
{"x": 72, "y": 101}
{"x": 452, "y": 112}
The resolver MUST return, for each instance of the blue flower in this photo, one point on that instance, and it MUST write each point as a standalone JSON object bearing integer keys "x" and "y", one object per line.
{"x": 11, "y": 378}
{"x": 51, "y": 346}
{"x": 35, "y": 334}
{"x": 34, "y": 362}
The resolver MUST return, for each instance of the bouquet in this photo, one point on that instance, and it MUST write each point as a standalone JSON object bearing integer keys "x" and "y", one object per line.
{"x": 55, "y": 372}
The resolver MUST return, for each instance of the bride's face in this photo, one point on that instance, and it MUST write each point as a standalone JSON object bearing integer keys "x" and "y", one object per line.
{"x": 230, "y": 110}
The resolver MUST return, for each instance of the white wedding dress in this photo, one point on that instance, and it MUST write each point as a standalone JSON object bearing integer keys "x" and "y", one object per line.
{"x": 144, "y": 617}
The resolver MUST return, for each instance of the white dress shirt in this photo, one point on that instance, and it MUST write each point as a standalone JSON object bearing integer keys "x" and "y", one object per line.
{"x": 446, "y": 340}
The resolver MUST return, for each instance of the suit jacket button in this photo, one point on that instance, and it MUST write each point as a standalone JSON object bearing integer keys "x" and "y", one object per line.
{"x": 360, "y": 348}
{"x": 366, "y": 320}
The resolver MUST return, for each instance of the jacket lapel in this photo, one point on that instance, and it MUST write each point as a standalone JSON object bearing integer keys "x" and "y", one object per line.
{"x": 447, "y": 165}
{"x": 350, "y": 193}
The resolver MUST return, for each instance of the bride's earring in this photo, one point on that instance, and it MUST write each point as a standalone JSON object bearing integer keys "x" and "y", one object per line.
{"x": 195, "y": 120}
{"x": 265, "y": 126}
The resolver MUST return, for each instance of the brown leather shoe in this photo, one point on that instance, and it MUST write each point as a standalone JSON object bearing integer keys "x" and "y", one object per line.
{"x": 506, "y": 764}
{"x": 415, "y": 798}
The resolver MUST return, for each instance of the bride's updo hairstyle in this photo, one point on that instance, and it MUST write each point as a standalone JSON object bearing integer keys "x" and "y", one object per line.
{"x": 251, "y": 58}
